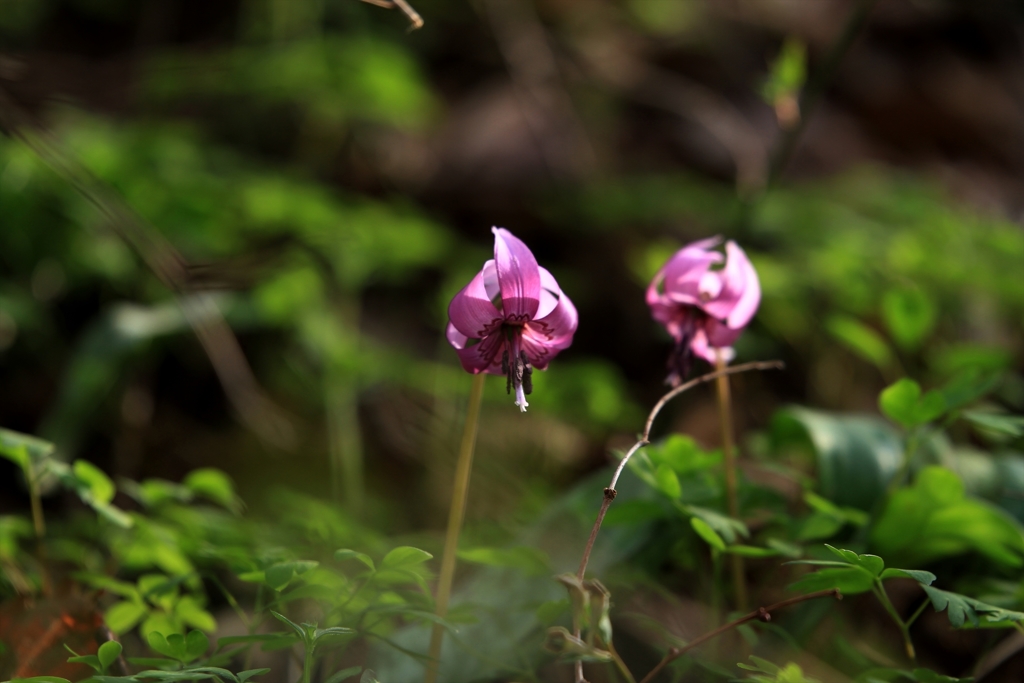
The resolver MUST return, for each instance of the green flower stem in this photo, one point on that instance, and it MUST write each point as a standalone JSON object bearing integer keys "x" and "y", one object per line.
{"x": 918, "y": 612}
{"x": 458, "y": 511}
{"x": 725, "y": 420}
{"x": 38, "y": 522}
{"x": 904, "y": 626}
{"x": 307, "y": 665}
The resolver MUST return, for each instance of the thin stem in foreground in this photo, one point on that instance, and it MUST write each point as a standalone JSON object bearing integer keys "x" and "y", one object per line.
{"x": 458, "y": 511}
{"x": 38, "y": 521}
{"x": 609, "y": 493}
{"x": 739, "y": 583}
{"x": 761, "y": 614}
{"x": 883, "y": 597}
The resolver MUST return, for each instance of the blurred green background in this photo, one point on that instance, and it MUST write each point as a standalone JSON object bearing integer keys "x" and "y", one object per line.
{"x": 327, "y": 180}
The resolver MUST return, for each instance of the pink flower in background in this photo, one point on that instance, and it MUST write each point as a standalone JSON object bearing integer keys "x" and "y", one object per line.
{"x": 511, "y": 318}
{"x": 704, "y": 309}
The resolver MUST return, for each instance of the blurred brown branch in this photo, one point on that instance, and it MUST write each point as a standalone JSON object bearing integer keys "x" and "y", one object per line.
{"x": 415, "y": 20}
{"x": 254, "y": 408}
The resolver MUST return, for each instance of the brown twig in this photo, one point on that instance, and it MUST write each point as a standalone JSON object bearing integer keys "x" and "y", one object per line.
{"x": 610, "y": 492}
{"x": 761, "y": 614}
{"x": 415, "y": 20}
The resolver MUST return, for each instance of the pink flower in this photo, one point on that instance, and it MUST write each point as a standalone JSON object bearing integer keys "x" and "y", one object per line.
{"x": 704, "y": 309}
{"x": 511, "y": 317}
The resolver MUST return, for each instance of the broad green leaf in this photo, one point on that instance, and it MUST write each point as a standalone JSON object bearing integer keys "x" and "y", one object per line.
{"x": 968, "y": 386}
{"x": 961, "y": 609}
{"x": 707, "y": 533}
{"x": 196, "y": 644}
{"x": 532, "y": 561}
{"x": 752, "y": 551}
{"x": 192, "y": 614}
{"x": 668, "y": 481}
{"x": 97, "y": 484}
{"x": 1011, "y": 426}
{"x": 909, "y": 315}
{"x": 902, "y": 402}
{"x": 281, "y": 574}
{"x": 108, "y": 653}
{"x": 860, "y": 339}
{"x": 172, "y": 645}
{"x": 919, "y": 575}
{"x": 244, "y": 676}
{"x": 346, "y": 554}
{"x": 121, "y": 617}
{"x": 214, "y": 485}
{"x": 872, "y": 564}
{"x": 299, "y": 630}
{"x": 22, "y": 448}
{"x": 339, "y": 676}
{"x": 726, "y": 527}
{"x": 403, "y": 557}
{"x": 855, "y": 455}
{"x": 849, "y": 580}
{"x": 933, "y": 518}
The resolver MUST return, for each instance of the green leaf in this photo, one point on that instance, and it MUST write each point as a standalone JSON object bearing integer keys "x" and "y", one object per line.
{"x": 108, "y": 653}
{"x": 707, "y": 533}
{"x": 281, "y": 574}
{"x": 346, "y": 554}
{"x": 40, "y": 679}
{"x": 968, "y": 386}
{"x": 995, "y": 423}
{"x": 192, "y": 614}
{"x": 872, "y": 564}
{"x": 860, "y": 339}
{"x": 855, "y": 455}
{"x": 919, "y": 575}
{"x": 214, "y": 485}
{"x": 667, "y": 481}
{"x": 121, "y": 617}
{"x": 532, "y": 561}
{"x": 403, "y": 557}
{"x": 22, "y": 448}
{"x": 934, "y": 518}
{"x": 343, "y": 674}
{"x": 961, "y": 609}
{"x": 172, "y": 646}
{"x": 98, "y": 485}
{"x": 726, "y": 527}
{"x": 752, "y": 551}
{"x": 849, "y": 580}
{"x": 902, "y": 402}
{"x": 244, "y": 676}
{"x": 909, "y": 315}
{"x": 196, "y": 644}
{"x": 299, "y": 631}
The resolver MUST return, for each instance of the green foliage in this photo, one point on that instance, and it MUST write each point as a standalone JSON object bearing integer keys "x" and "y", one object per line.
{"x": 903, "y": 402}
{"x": 934, "y": 518}
{"x": 766, "y": 672}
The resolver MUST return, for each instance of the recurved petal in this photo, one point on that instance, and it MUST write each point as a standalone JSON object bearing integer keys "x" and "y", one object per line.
{"x": 483, "y": 356}
{"x": 734, "y": 283}
{"x": 686, "y": 269}
{"x": 518, "y": 276}
{"x": 558, "y": 326}
{"x": 471, "y": 311}
{"x": 549, "y": 293}
{"x": 701, "y": 348}
{"x": 746, "y": 307}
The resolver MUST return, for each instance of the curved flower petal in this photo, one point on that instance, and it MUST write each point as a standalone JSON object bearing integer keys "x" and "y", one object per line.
{"x": 686, "y": 270}
{"x": 491, "y": 286}
{"x": 549, "y": 293}
{"x": 471, "y": 311}
{"x": 751, "y": 298}
{"x": 484, "y": 356}
{"x": 701, "y": 348}
{"x": 734, "y": 283}
{"x": 558, "y": 326}
{"x": 518, "y": 276}
{"x": 719, "y": 335}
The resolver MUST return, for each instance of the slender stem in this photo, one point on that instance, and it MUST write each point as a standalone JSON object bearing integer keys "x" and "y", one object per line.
{"x": 609, "y": 493}
{"x": 908, "y": 645}
{"x": 739, "y": 583}
{"x": 38, "y": 522}
{"x": 761, "y": 613}
{"x": 455, "y": 517}
{"x": 307, "y": 665}
{"x": 918, "y": 611}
